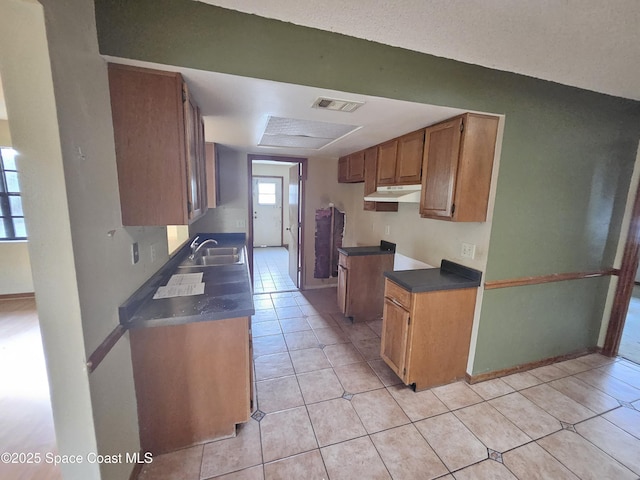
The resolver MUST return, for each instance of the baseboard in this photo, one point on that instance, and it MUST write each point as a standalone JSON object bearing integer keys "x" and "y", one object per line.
{"x": 14, "y": 296}
{"x": 482, "y": 377}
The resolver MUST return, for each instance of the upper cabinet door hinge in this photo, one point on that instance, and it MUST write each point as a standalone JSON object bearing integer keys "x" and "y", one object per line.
{"x": 408, "y": 320}
{"x": 462, "y": 126}
{"x": 453, "y": 209}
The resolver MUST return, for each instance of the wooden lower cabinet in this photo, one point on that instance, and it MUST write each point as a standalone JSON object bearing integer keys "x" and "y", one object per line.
{"x": 193, "y": 382}
{"x": 426, "y": 336}
{"x": 361, "y": 285}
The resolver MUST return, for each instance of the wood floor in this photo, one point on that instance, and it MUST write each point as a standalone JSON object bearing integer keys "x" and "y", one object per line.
{"x": 26, "y": 423}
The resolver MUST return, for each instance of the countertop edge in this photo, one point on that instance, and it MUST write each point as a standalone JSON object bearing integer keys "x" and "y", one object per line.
{"x": 445, "y": 278}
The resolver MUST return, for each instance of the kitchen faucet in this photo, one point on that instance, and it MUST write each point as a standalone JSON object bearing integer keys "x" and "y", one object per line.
{"x": 195, "y": 246}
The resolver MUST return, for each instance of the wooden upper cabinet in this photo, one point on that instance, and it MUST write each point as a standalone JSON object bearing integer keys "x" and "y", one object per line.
{"x": 387, "y": 156}
{"x": 351, "y": 168}
{"x": 195, "y": 166}
{"x": 370, "y": 169}
{"x": 159, "y": 147}
{"x": 400, "y": 160}
{"x": 409, "y": 163}
{"x": 343, "y": 169}
{"x": 355, "y": 167}
{"x": 211, "y": 174}
{"x": 457, "y": 167}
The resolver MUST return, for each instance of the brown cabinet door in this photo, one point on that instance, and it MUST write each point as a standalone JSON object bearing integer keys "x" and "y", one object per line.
{"x": 192, "y": 125}
{"x": 409, "y": 162}
{"x": 395, "y": 330}
{"x": 211, "y": 175}
{"x": 343, "y": 169}
{"x": 355, "y": 167}
{"x": 439, "y": 169}
{"x": 370, "y": 166}
{"x": 148, "y": 126}
{"x": 343, "y": 277}
{"x": 387, "y": 154}
{"x": 370, "y": 171}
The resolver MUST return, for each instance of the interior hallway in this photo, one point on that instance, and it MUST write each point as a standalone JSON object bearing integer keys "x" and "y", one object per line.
{"x": 271, "y": 270}
{"x": 26, "y": 422}
{"x": 328, "y": 407}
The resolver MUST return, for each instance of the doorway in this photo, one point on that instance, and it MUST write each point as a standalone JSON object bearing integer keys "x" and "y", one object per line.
{"x": 275, "y": 222}
{"x": 624, "y": 320}
{"x": 268, "y": 214}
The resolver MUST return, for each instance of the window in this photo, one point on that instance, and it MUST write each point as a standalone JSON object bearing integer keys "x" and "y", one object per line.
{"x": 12, "y": 225}
{"x": 266, "y": 193}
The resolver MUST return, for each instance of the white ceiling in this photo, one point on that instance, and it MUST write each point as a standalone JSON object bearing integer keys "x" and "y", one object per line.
{"x": 591, "y": 44}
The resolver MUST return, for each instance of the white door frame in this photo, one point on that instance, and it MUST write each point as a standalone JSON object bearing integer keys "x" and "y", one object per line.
{"x": 301, "y": 194}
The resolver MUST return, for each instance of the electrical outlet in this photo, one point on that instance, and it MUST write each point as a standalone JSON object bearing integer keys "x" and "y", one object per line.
{"x": 468, "y": 250}
{"x": 387, "y": 229}
{"x": 153, "y": 254}
{"x": 135, "y": 253}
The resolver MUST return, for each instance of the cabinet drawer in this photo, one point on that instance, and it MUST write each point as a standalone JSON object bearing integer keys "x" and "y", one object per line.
{"x": 397, "y": 293}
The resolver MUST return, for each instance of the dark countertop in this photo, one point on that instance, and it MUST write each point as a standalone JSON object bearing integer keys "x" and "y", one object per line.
{"x": 449, "y": 276}
{"x": 385, "y": 248}
{"x": 227, "y": 292}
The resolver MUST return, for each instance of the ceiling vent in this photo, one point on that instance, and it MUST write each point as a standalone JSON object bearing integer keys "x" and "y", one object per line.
{"x": 295, "y": 133}
{"x": 348, "y": 106}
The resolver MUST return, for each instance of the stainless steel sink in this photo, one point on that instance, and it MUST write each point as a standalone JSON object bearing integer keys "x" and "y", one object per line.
{"x": 221, "y": 251}
{"x": 211, "y": 260}
{"x": 216, "y": 256}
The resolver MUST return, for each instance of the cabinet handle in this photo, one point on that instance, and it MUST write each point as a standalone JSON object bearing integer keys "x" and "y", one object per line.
{"x": 397, "y": 303}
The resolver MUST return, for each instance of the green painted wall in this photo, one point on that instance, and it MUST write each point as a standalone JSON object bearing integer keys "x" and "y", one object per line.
{"x": 567, "y": 154}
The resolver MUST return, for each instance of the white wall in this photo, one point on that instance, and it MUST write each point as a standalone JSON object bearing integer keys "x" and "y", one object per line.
{"x": 15, "y": 267}
{"x": 28, "y": 89}
{"x": 322, "y": 189}
{"x": 58, "y": 103}
{"x": 232, "y": 212}
{"x": 105, "y": 274}
{"x": 5, "y": 134}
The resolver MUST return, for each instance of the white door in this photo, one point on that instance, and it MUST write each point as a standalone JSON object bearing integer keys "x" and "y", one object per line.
{"x": 294, "y": 222}
{"x": 267, "y": 211}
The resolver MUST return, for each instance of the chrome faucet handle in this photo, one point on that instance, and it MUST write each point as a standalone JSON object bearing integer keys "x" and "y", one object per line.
{"x": 199, "y": 246}
{"x": 194, "y": 244}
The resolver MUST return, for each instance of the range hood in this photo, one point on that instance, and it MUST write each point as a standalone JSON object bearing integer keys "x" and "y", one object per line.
{"x": 396, "y": 193}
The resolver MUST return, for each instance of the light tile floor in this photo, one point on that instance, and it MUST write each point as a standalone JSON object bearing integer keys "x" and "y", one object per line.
{"x": 271, "y": 270}
{"x": 329, "y": 408}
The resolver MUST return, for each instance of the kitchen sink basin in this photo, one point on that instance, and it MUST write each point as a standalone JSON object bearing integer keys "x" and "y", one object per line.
{"x": 215, "y": 251}
{"x": 210, "y": 260}
{"x": 215, "y": 256}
